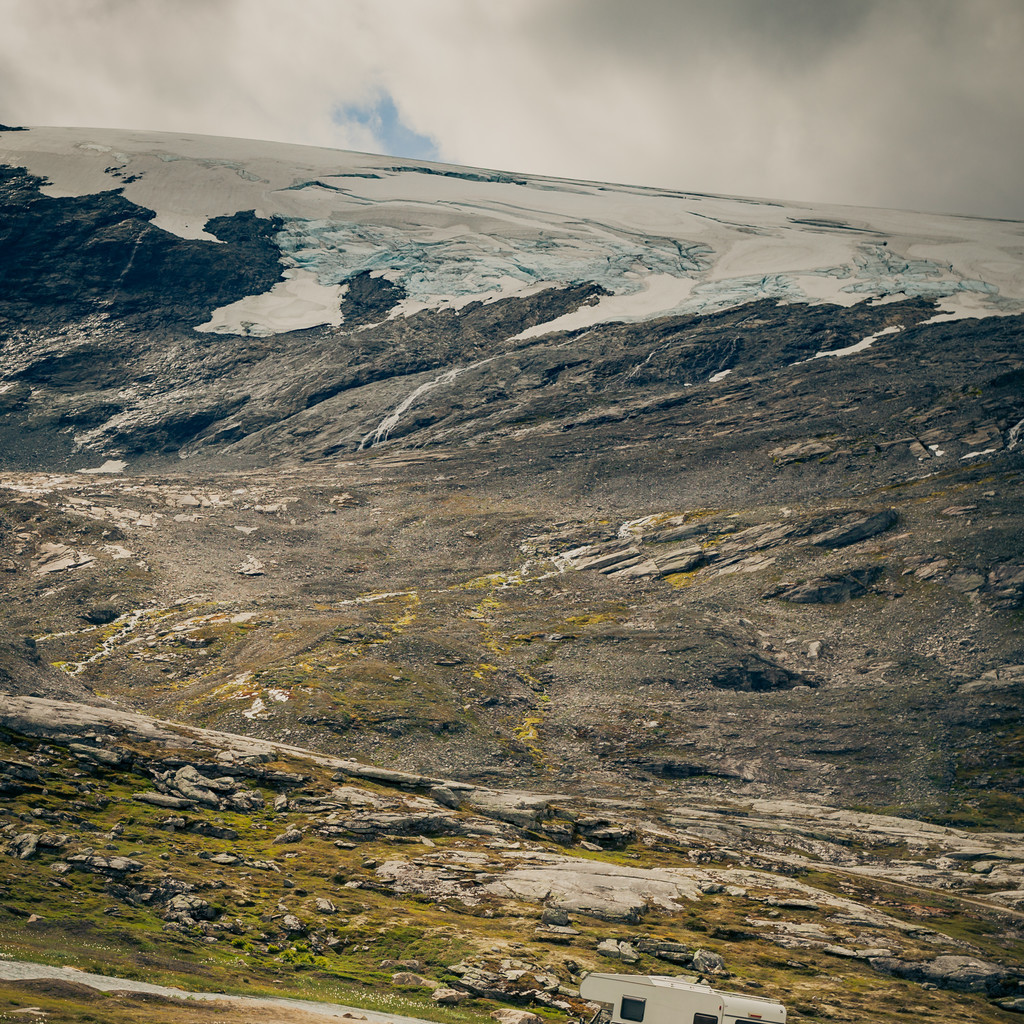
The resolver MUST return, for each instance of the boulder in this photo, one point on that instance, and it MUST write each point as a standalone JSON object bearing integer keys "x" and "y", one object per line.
{"x": 446, "y": 797}
{"x": 1004, "y": 586}
{"x": 800, "y": 451}
{"x": 759, "y": 675}
{"x": 635, "y": 570}
{"x": 246, "y": 800}
{"x": 706, "y": 962}
{"x": 264, "y": 865}
{"x": 105, "y": 865}
{"x": 509, "y": 1015}
{"x": 353, "y": 796}
{"x": 755, "y": 538}
{"x": 98, "y": 755}
{"x": 325, "y": 906}
{"x": 828, "y": 589}
{"x": 518, "y": 808}
{"x": 964, "y": 581}
{"x": 627, "y": 954}
{"x": 558, "y": 831}
{"x": 291, "y": 924}
{"x": 615, "y": 949}
{"x": 961, "y": 973}
{"x": 412, "y": 980}
{"x": 607, "y": 561}
{"x": 856, "y": 527}
{"x": 680, "y": 959}
{"x": 187, "y": 782}
{"x": 221, "y": 784}
{"x": 680, "y": 560}
{"x": 522, "y": 973}
{"x": 13, "y": 776}
{"x": 188, "y": 909}
{"x": 293, "y": 835}
{"x": 924, "y": 567}
{"x": 672, "y": 952}
{"x": 100, "y": 615}
{"x": 418, "y": 823}
{"x": 212, "y": 831}
{"x": 610, "y": 891}
{"x": 391, "y": 777}
{"x": 479, "y": 982}
{"x": 555, "y": 915}
{"x": 449, "y": 996}
{"x": 605, "y": 833}
{"x": 965, "y": 974}
{"x": 674, "y": 531}
{"x": 840, "y": 951}
{"x": 1004, "y": 677}
{"x": 24, "y": 846}
{"x": 55, "y": 557}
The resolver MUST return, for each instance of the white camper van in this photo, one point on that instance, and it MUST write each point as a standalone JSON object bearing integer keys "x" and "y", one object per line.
{"x": 657, "y": 999}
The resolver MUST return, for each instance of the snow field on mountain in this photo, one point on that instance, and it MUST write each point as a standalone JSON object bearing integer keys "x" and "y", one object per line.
{"x": 452, "y": 235}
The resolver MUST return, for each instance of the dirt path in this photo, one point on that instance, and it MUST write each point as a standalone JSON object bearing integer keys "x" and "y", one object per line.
{"x": 301, "y": 1010}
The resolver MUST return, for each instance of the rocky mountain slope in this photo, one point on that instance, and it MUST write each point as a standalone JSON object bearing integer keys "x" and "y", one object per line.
{"x": 597, "y": 493}
{"x": 150, "y": 850}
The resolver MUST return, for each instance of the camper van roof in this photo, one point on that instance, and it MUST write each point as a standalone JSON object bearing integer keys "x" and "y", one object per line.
{"x": 660, "y": 980}
{"x": 667, "y": 981}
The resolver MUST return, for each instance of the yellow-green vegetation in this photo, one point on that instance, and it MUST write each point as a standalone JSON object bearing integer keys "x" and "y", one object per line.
{"x": 681, "y": 580}
{"x": 595, "y": 618}
{"x": 494, "y": 579}
{"x": 107, "y": 924}
{"x": 78, "y": 924}
{"x": 467, "y": 653}
{"x": 526, "y": 733}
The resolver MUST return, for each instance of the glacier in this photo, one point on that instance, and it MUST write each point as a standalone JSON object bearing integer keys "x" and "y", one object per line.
{"x": 449, "y": 236}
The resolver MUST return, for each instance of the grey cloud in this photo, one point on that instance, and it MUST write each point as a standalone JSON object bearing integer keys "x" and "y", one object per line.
{"x": 668, "y": 31}
{"x": 900, "y": 102}
{"x": 910, "y": 103}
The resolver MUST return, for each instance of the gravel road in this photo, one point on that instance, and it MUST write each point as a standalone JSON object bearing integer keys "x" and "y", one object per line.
{"x": 20, "y": 970}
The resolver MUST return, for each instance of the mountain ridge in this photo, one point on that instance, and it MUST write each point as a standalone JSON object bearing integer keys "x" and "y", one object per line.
{"x": 636, "y": 514}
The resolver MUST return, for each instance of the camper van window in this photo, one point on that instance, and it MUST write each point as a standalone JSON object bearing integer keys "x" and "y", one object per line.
{"x": 705, "y": 1018}
{"x": 633, "y": 1009}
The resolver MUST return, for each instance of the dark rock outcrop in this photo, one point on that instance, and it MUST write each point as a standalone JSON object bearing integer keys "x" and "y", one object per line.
{"x": 855, "y": 528}
{"x": 759, "y": 675}
{"x": 960, "y": 973}
{"x": 100, "y": 253}
{"x": 833, "y": 589}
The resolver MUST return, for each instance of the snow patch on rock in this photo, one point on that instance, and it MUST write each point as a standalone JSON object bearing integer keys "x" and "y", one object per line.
{"x": 298, "y": 302}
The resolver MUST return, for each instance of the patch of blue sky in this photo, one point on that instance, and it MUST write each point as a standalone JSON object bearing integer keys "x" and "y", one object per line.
{"x": 383, "y": 121}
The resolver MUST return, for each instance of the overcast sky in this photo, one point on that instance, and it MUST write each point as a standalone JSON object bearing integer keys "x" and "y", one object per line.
{"x": 905, "y": 103}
